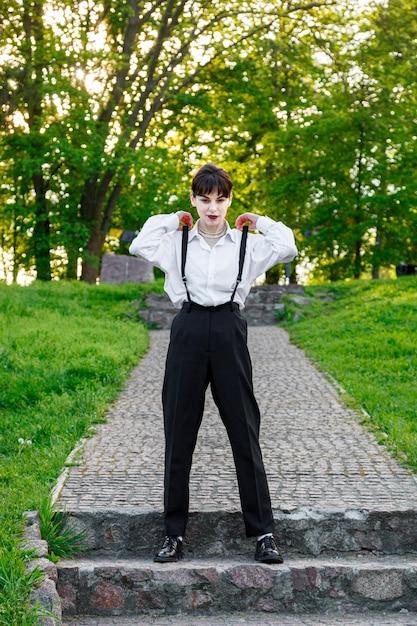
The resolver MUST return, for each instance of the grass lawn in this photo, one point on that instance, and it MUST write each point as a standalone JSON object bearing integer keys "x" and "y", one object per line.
{"x": 364, "y": 334}
{"x": 65, "y": 351}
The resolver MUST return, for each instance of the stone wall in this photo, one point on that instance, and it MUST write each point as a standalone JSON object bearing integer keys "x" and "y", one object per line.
{"x": 264, "y": 306}
{"x": 45, "y": 594}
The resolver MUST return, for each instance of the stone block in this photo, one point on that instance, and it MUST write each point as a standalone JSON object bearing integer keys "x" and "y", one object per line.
{"x": 46, "y": 567}
{"x": 33, "y": 533}
{"x": 161, "y": 319}
{"x": 252, "y": 577}
{"x": 121, "y": 268}
{"x": 31, "y": 517}
{"x": 159, "y": 301}
{"x": 305, "y": 579}
{"x": 46, "y": 595}
{"x": 382, "y": 585}
{"x": 107, "y": 596}
{"x": 300, "y": 300}
{"x": 68, "y": 595}
{"x": 39, "y": 547}
{"x": 149, "y": 600}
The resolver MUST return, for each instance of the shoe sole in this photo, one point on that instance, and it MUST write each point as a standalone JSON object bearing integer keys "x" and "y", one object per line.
{"x": 270, "y": 560}
{"x": 161, "y": 559}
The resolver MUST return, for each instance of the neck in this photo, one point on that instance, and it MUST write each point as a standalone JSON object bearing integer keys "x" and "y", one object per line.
{"x": 212, "y": 232}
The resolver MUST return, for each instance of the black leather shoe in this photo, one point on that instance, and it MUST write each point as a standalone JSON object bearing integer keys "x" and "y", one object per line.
{"x": 267, "y": 551}
{"x": 170, "y": 552}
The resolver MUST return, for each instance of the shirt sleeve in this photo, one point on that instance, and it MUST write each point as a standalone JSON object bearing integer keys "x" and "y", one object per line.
{"x": 275, "y": 245}
{"x": 155, "y": 242}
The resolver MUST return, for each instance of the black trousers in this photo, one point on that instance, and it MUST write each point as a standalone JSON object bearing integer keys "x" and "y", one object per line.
{"x": 209, "y": 345}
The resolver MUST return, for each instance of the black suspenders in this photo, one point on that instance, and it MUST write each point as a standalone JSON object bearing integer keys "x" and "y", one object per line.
{"x": 242, "y": 252}
{"x": 184, "y": 258}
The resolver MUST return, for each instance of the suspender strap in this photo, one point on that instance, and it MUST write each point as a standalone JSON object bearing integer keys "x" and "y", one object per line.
{"x": 184, "y": 258}
{"x": 242, "y": 253}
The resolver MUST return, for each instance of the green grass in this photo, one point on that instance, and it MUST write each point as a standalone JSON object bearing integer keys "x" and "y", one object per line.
{"x": 365, "y": 337}
{"x": 62, "y": 538}
{"x": 65, "y": 351}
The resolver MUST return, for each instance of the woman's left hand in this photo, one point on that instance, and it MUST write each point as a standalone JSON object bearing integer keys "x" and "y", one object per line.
{"x": 247, "y": 218}
{"x": 185, "y": 218}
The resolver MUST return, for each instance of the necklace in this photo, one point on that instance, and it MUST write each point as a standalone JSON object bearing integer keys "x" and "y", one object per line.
{"x": 213, "y": 235}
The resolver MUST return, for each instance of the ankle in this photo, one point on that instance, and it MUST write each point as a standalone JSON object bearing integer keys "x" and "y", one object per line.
{"x": 260, "y": 537}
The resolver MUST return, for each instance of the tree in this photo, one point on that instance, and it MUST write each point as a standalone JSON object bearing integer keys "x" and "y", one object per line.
{"x": 35, "y": 145}
{"x": 330, "y": 134}
{"x": 108, "y": 70}
{"x": 260, "y": 115}
{"x": 309, "y": 107}
{"x": 29, "y": 76}
{"x": 391, "y": 57}
{"x": 156, "y": 51}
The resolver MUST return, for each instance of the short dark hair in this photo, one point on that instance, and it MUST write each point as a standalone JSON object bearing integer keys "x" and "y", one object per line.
{"x": 209, "y": 178}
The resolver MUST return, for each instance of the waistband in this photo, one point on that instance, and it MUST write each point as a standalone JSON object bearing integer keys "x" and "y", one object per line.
{"x": 193, "y": 306}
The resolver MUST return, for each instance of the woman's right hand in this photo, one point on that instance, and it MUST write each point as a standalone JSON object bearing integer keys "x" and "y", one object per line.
{"x": 185, "y": 218}
{"x": 248, "y": 219}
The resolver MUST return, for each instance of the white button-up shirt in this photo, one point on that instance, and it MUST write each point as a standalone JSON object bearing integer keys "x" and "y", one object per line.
{"x": 211, "y": 272}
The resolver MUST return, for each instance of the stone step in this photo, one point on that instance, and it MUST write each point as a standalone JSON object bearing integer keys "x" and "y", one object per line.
{"x": 370, "y": 618}
{"x": 106, "y": 587}
{"x": 221, "y": 534}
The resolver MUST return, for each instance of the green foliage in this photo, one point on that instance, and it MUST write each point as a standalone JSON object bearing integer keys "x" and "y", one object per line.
{"x": 311, "y": 109}
{"x": 364, "y": 334}
{"x": 56, "y": 528}
{"x": 15, "y": 586}
{"x": 314, "y": 124}
{"x": 65, "y": 351}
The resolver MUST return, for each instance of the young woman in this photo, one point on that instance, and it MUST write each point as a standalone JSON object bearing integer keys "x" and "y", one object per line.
{"x": 208, "y": 345}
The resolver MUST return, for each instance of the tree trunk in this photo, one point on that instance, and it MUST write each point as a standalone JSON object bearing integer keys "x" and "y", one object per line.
{"x": 92, "y": 256}
{"x": 273, "y": 275}
{"x": 71, "y": 270}
{"x": 41, "y": 231}
{"x": 358, "y": 260}
{"x": 41, "y": 248}
{"x": 293, "y": 275}
{"x": 91, "y": 270}
{"x": 98, "y": 211}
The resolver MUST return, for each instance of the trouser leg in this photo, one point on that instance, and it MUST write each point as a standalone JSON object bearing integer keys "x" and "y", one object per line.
{"x": 231, "y": 380}
{"x": 185, "y": 384}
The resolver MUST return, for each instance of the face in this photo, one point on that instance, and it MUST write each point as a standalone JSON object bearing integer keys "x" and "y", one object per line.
{"x": 211, "y": 210}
